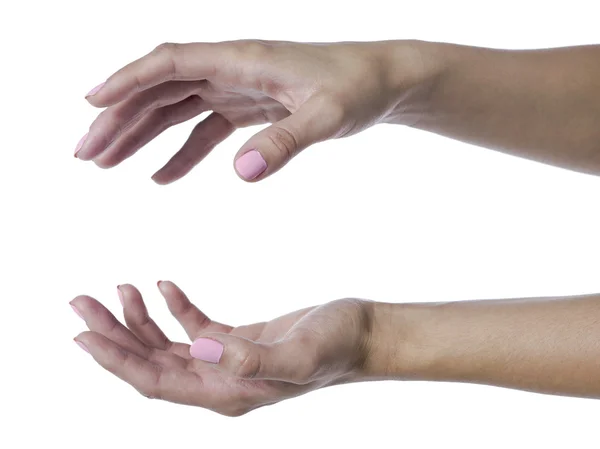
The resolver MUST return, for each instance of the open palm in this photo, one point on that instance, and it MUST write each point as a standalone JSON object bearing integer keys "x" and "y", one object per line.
{"x": 247, "y": 366}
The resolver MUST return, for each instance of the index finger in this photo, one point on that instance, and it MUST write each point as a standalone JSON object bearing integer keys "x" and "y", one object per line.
{"x": 167, "y": 62}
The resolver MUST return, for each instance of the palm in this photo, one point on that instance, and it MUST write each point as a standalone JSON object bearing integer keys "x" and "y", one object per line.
{"x": 142, "y": 355}
{"x": 225, "y": 386}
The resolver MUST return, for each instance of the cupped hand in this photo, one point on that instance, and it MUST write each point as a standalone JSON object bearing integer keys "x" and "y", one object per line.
{"x": 309, "y": 92}
{"x": 230, "y": 370}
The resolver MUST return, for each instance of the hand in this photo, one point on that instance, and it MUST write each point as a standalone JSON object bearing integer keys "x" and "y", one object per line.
{"x": 310, "y": 92}
{"x": 228, "y": 370}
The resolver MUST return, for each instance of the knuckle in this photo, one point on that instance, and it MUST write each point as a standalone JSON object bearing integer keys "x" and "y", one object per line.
{"x": 256, "y": 49}
{"x": 169, "y": 51}
{"x": 166, "y": 47}
{"x": 284, "y": 142}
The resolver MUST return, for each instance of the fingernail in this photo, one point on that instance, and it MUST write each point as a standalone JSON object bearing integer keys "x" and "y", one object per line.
{"x": 207, "y": 349}
{"x": 80, "y": 144}
{"x": 250, "y": 165}
{"x": 82, "y": 346}
{"x": 158, "y": 284}
{"x": 77, "y": 312}
{"x": 120, "y": 295}
{"x": 95, "y": 90}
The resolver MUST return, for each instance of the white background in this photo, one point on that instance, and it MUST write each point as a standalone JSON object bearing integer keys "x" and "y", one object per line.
{"x": 392, "y": 214}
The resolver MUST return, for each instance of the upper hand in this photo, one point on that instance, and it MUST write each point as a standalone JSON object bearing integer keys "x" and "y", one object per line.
{"x": 228, "y": 370}
{"x": 310, "y": 92}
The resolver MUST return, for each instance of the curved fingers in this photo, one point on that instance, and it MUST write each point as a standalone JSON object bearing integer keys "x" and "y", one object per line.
{"x": 149, "y": 127}
{"x": 99, "y": 319}
{"x": 192, "y": 319}
{"x": 142, "y": 326}
{"x": 118, "y": 119}
{"x": 150, "y": 379}
{"x": 138, "y": 320}
{"x": 205, "y": 136}
{"x": 167, "y": 62}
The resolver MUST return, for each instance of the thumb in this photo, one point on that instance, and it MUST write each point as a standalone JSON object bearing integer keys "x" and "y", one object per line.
{"x": 270, "y": 149}
{"x": 284, "y": 360}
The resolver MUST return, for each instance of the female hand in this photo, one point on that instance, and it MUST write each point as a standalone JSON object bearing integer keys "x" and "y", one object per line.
{"x": 226, "y": 369}
{"x": 310, "y": 92}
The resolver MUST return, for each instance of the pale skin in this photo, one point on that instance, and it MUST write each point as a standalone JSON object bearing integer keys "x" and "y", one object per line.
{"x": 540, "y": 104}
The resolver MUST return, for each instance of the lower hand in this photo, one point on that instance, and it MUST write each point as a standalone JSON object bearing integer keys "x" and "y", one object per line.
{"x": 230, "y": 370}
{"x": 310, "y": 92}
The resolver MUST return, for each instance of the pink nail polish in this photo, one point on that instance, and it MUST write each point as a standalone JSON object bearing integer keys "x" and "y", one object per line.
{"x": 82, "y": 346}
{"x": 250, "y": 165}
{"x": 95, "y": 90}
{"x": 77, "y": 312}
{"x": 120, "y": 295}
{"x": 80, "y": 144}
{"x": 207, "y": 349}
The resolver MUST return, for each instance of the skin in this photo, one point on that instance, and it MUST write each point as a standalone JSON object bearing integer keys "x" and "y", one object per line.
{"x": 302, "y": 89}
{"x": 263, "y": 363}
{"x": 547, "y": 345}
{"x": 539, "y": 104}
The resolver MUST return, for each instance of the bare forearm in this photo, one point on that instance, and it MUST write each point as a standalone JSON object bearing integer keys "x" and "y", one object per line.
{"x": 540, "y": 104}
{"x": 549, "y": 345}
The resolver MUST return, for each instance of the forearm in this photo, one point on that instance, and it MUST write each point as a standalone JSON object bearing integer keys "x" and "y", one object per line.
{"x": 539, "y": 104}
{"x": 549, "y": 345}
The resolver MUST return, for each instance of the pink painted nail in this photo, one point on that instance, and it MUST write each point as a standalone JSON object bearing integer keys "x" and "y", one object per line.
{"x": 250, "y": 165}
{"x": 77, "y": 312}
{"x": 82, "y": 346}
{"x": 207, "y": 349}
{"x": 95, "y": 90}
{"x": 80, "y": 144}
{"x": 120, "y": 295}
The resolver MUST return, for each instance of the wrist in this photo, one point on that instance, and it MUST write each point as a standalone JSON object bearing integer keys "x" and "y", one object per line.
{"x": 414, "y": 71}
{"x": 402, "y": 343}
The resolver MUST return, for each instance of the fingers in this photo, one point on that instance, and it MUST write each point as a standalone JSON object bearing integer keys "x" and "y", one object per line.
{"x": 116, "y": 120}
{"x": 150, "y": 379}
{"x": 99, "y": 319}
{"x": 267, "y": 151}
{"x": 167, "y": 62}
{"x": 148, "y": 128}
{"x": 286, "y": 361}
{"x": 205, "y": 136}
{"x": 192, "y": 319}
{"x": 138, "y": 320}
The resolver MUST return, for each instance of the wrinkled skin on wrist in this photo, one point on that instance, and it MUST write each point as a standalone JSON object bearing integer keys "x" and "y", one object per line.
{"x": 261, "y": 364}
